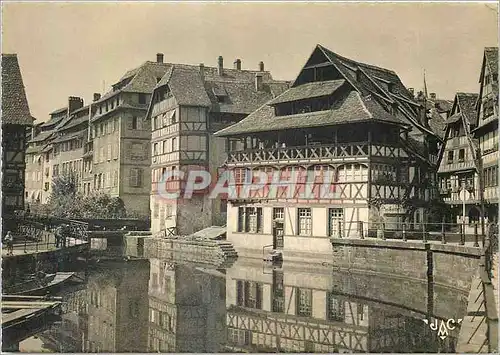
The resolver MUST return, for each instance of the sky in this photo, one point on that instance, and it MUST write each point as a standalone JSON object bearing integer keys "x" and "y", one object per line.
{"x": 76, "y": 49}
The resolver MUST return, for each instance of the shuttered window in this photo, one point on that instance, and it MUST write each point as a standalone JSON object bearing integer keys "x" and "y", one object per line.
{"x": 135, "y": 177}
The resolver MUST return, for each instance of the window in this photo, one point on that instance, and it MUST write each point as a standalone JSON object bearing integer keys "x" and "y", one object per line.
{"x": 249, "y": 294}
{"x": 46, "y": 186}
{"x": 155, "y": 149}
{"x": 174, "y": 144}
{"x": 304, "y": 302}
{"x": 134, "y": 122}
{"x": 137, "y": 151}
{"x": 450, "y": 157}
{"x": 336, "y": 225}
{"x": 135, "y": 177}
{"x": 223, "y": 206}
{"x": 142, "y": 99}
{"x": 461, "y": 155}
{"x": 109, "y": 152}
{"x": 335, "y": 308}
{"x": 241, "y": 219}
{"x": 250, "y": 219}
{"x": 165, "y": 146}
{"x": 278, "y": 213}
{"x": 304, "y": 221}
{"x": 115, "y": 179}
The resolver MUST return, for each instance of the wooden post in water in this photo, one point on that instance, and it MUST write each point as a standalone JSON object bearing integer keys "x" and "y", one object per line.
{"x": 476, "y": 239}
{"x": 424, "y": 233}
{"x": 360, "y": 229}
{"x": 443, "y": 233}
{"x": 404, "y": 232}
{"x": 462, "y": 233}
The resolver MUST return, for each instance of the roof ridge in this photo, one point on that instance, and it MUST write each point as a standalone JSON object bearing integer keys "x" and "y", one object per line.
{"x": 371, "y": 66}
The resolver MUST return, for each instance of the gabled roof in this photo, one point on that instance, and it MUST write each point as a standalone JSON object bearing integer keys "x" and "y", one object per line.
{"x": 201, "y": 86}
{"x": 467, "y": 103}
{"x": 309, "y": 90}
{"x": 142, "y": 79}
{"x": 491, "y": 57}
{"x": 380, "y": 95}
{"x": 352, "y": 108}
{"x": 15, "y": 109}
{"x": 187, "y": 86}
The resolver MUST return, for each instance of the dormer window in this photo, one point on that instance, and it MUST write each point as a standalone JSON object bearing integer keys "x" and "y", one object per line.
{"x": 220, "y": 94}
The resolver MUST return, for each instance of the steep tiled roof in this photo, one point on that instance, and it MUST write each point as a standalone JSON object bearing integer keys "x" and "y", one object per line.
{"x": 42, "y": 136}
{"x": 309, "y": 90}
{"x": 141, "y": 79}
{"x": 200, "y": 86}
{"x": 378, "y": 94}
{"x": 15, "y": 109}
{"x": 187, "y": 86}
{"x": 59, "y": 110}
{"x": 351, "y": 108}
{"x": 467, "y": 103}
{"x": 491, "y": 55}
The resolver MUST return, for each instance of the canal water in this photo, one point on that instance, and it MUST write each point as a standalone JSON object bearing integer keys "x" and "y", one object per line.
{"x": 160, "y": 306}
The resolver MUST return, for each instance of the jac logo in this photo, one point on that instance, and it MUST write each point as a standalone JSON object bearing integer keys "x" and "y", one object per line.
{"x": 443, "y": 327}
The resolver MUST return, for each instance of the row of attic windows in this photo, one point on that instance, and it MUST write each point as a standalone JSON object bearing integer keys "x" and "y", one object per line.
{"x": 304, "y": 106}
{"x": 114, "y": 102}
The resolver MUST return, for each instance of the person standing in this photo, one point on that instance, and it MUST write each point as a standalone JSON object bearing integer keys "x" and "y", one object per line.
{"x": 9, "y": 240}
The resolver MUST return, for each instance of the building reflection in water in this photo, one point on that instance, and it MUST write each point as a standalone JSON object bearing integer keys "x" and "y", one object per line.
{"x": 109, "y": 315}
{"x": 186, "y": 308}
{"x": 295, "y": 310}
{"x": 159, "y": 306}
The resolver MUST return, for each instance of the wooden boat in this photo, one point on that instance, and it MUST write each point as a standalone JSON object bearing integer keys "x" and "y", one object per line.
{"x": 24, "y": 317}
{"x": 40, "y": 284}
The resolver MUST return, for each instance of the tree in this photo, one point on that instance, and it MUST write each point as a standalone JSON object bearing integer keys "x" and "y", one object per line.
{"x": 67, "y": 202}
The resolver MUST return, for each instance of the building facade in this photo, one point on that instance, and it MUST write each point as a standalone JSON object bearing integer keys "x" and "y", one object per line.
{"x": 189, "y": 104}
{"x": 458, "y": 177}
{"x": 486, "y": 131}
{"x": 351, "y": 122}
{"x": 16, "y": 117}
{"x": 121, "y": 138}
{"x": 51, "y": 149}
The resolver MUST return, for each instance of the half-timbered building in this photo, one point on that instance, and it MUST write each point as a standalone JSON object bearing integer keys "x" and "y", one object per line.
{"x": 458, "y": 179}
{"x": 305, "y": 309}
{"x": 486, "y": 130}
{"x": 43, "y": 152}
{"x": 120, "y": 138}
{"x": 16, "y": 117}
{"x": 189, "y": 104}
{"x": 186, "y": 309}
{"x": 352, "y": 120}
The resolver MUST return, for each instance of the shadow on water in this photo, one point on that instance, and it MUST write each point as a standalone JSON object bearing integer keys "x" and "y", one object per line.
{"x": 160, "y": 306}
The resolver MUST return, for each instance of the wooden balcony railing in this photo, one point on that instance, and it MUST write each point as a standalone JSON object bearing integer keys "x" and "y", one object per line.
{"x": 342, "y": 151}
{"x": 456, "y": 165}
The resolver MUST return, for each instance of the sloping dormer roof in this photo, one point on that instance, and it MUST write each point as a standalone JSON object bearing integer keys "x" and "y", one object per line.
{"x": 365, "y": 92}
{"x": 15, "y": 109}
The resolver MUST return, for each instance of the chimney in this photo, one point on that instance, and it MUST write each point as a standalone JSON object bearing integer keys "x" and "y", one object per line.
{"x": 159, "y": 57}
{"x": 202, "y": 70}
{"x": 97, "y": 96}
{"x": 412, "y": 91}
{"x": 221, "y": 66}
{"x": 237, "y": 64}
{"x": 261, "y": 66}
{"x": 258, "y": 82}
{"x": 74, "y": 103}
{"x": 433, "y": 95}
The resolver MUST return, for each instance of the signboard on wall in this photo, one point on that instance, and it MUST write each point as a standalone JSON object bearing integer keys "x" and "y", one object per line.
{"x": 392, "y": 209}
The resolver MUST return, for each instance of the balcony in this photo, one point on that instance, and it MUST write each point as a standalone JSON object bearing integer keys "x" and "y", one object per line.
{"x": 447, "y": 166}
{"x": 300, "y": 154}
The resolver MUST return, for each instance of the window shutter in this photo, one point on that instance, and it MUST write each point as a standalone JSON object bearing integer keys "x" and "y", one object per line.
{"x": 139, "y": 177}
{"x": 132, "y": 178}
